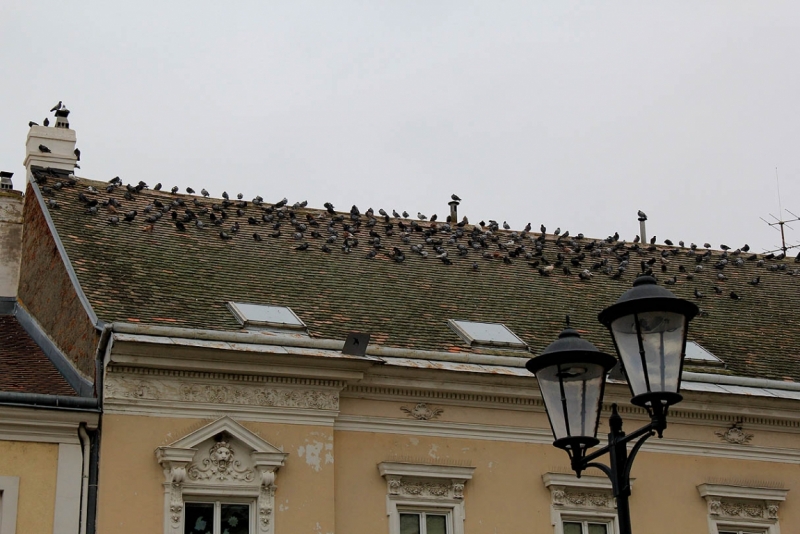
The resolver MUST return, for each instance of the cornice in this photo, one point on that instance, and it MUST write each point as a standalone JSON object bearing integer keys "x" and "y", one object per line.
{"x": 46, "y": 426}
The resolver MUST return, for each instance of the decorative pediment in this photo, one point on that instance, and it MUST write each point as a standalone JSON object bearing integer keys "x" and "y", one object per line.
{"x": 219, "y": 458}
{"x": 755, "y": 505}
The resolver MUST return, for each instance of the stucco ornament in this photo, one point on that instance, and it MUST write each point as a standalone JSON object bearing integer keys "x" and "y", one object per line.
{"x": 735, "y": 435}
{"x": 422, "y": 412}
{"x": 221, "y": 465}
{"x": 124, "y": 387}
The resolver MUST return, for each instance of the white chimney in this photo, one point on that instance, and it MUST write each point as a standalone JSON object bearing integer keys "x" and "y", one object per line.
{"x": 60, "y": 141}
{"x": 10, "y": 236}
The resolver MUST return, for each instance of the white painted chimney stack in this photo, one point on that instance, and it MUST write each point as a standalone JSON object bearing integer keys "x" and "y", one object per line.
{"x": 60, "y": 140}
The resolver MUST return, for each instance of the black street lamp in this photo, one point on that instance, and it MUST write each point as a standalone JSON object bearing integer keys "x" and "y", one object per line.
{"x": 649, "y": 327}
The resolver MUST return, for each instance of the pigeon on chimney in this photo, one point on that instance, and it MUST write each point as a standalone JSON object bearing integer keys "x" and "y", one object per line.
{"x": 43, "y": 148}
{"x": 31, "y": 124}
{"x": 56, "y": 107}
{"x": 77, "y": 153}
{"x": 455, "y": 197}
{"x": 642, "y": 215}
{"x": 46, "y": 121}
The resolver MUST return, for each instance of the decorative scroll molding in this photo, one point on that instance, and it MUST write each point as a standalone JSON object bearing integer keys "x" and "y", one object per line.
{"x": 124, "y": 387}
{"x": 420, "y": 486}
{"x": 588, "y": 496}
{"x": 735, "y": 434}
{"x": 212, "y": 461}
{"x": 741, "y": 505}
{"x": 422, "y": 412}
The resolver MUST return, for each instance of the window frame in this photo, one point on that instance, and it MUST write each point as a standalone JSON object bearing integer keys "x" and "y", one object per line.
{"x": 9, "y": 497}
{"x": 427, "y": 510}
{"x": 421, "y": 488}
{"x": 217, "y": 502}
{"x": 608, "y": 522}
{"x": 598, "y": 504}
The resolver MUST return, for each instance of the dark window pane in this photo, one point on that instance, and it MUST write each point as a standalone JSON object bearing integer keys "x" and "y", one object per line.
{"x": 409, "y": 524}
{"x": 198, "y": 518}
{"x": 235, "y": 519}
{"x": 597, "y": 529}
{"x": 572, "y": 528}
{"x": 435, "y": 524}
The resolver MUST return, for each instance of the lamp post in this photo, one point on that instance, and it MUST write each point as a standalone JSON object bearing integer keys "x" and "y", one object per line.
{"x": 649, "y": 326}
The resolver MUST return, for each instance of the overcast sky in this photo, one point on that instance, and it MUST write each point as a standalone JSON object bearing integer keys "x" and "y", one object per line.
{"x": 571, "y": 114}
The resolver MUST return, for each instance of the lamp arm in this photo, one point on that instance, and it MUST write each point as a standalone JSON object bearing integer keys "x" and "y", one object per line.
{"x": 645, "y": 430}
{"x": 632, "y": 455}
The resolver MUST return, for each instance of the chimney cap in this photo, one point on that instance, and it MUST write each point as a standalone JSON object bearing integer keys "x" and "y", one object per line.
{"x": 5, "y": 180}
{"x": 63, "y": 112}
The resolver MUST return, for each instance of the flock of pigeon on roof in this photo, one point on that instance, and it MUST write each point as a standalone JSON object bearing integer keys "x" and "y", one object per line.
{"x": 426, "y": 238}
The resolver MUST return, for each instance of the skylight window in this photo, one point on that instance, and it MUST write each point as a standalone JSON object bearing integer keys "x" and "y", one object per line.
{"x": 265, "y": 316}
{"x": 695, "y": 353}
{"x": 489, "y": 334}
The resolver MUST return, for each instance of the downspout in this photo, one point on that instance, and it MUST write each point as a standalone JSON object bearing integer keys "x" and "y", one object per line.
{"x": 90, "y": 526}
{"x": 86, "y": 448}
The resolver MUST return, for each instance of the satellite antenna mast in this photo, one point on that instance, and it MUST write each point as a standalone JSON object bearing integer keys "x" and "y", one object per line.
{"x": 780, "y": 222}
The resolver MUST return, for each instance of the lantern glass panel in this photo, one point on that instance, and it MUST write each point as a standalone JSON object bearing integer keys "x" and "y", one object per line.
{"x": 662, "y": 336}
{"x": 575, "y": 410}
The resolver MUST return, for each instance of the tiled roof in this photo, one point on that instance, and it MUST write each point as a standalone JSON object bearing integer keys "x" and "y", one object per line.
{"x": 24, "y": 368}
{"x": 157, "y": 274}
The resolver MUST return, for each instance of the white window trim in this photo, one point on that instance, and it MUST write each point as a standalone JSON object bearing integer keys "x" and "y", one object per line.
{"x": 9, "y": 489}
{"x": 425, "y": 488}
{"x": 588, "y": 498}
{"x": 740, "y": 507}
{"x": 252, "y": 503}
{"x": 177, "y": 459}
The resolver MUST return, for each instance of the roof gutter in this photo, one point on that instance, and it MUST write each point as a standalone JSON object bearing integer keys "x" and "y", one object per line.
{"x": 39, "y": 400}
{"x": 392, "y": 352}
{"x": 314, "y": 343}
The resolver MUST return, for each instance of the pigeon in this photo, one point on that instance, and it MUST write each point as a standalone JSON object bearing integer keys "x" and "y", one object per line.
{"x": 474, "y": 264}
{"x": 556, "y": 231}
{"x": 43, "y": 148}
{"x": 506, "y": 226}
{"x": 434, "y": 217}
{"x": 204, "y": 193}
{"x": 77, "y": 153}
{"x": 224, "y": 236}
{"x": 653, "y": 240}
{"x": 755, "y": 281}
{"x": 542, "y": 229}
{"x": 175, "y": 190}
{"x": 190, "y": 190}
{"x": 707, "y": 245}
{"x": 421, "y": 217}
{"x": 57, "y": 106}
{"x": 240, "y": 196}
{"x": 31, "y": 124}
{"x": 51, "y": 202}
{"x": 130, "y": 216}
{"x": 746, "y": 248}
{"x": 697, "y": 294}
{"x": 724, "y": 247}
{"x": 642, "y": 215}
{"x": 113, "y": 219}
{"x": 46, "y": 122}
{"x": 303, "y": 246}
{"x": 405, "y": 215}
{"x": 180, "y": 226}
{"x": 157, "y": 187}
{"x": 225, "y": 195}
{"x": 668, "y": 242}
{"x": 734, "y": 296}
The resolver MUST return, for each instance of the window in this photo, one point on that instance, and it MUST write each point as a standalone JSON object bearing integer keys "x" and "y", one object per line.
{"x": 217, "y": 518}
{"x": 260, "y": 315}
{"x": 9, "y": 491}
{"x": 585, "y": 527}
{"x": 220, "y": 479}
{"x": 734, "y": 509}
{"x": 489, "y": 334}
{"x": 699, "y": 356}
{"x": 581, "y": 505}
{"x": 425, "y": 499}
{"x": 424, "y": 523}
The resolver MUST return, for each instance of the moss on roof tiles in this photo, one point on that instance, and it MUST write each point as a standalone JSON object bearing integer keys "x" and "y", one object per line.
{"x": 156, "y": 274}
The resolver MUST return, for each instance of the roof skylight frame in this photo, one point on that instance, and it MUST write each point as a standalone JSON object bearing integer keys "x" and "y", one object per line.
{"x": 696, "y": 354}
{"x": 486, "y": 334}
{"x": 266, "y": 316}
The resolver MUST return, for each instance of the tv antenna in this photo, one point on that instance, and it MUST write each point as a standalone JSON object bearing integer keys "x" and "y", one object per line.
{"x": 780, "y": 222}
